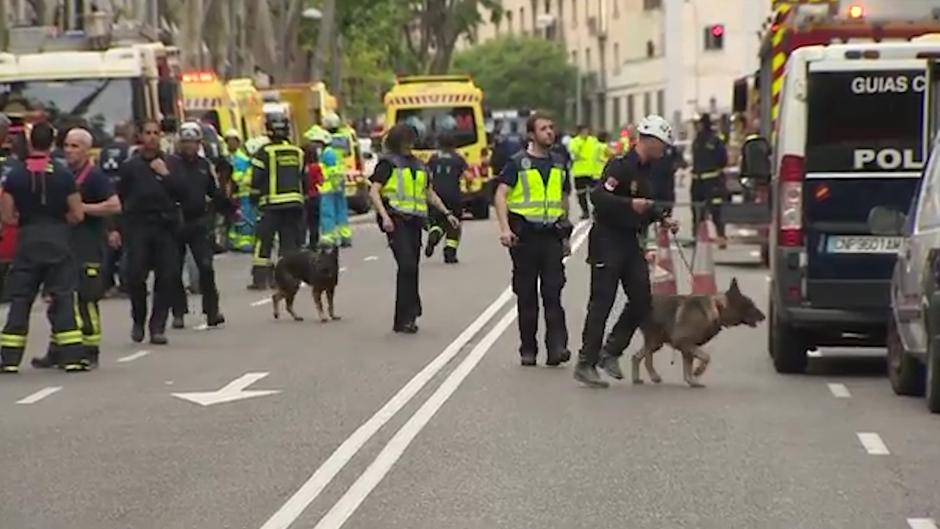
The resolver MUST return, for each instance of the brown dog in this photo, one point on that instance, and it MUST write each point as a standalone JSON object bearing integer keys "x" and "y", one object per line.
{"x": 318, "y": 269}
{"x": 689, "y": 322}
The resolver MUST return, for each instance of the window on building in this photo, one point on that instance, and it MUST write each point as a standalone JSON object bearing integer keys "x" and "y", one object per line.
{"x": 574, "y": 58}
{"x": 631, "y": 114}
{"x": 509, "y": 21}
{"x": 574, "y": 13}
{"x": 587, "y": 59}
{"x": 548, "y": 6}
{"x": 650, "y": 49}
{"x": 715, "y": 37}
{"x": 647, "y": 104}
{"x": 616, "y": 57}
{"x": 522, "y": 19}
{"x": 616, "y": 8}
{"x": 661, "y": 102}
{"x": 615, "y": 120}
{"x": 652, "y": 4}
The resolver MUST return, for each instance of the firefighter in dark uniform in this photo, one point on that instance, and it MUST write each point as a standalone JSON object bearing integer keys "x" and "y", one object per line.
{"x": 196, "y": 183}
{"x": 622, "y": 212}
{"x": 88, "y": 242}
{"x": 110, "y": 160}
{"x": 532, "y": 209}
{"x": 149, "y": 226}
{"x": 279, "y": 184}
{"x": 42, "y": 197}
{"x": 447, "y": 167}
{"x": 400, "y": 193}
{"x": 709, "y": 158}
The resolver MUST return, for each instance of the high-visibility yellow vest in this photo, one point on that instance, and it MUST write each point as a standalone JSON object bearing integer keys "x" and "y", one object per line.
{"x": 407, "y": 188}
{"x": 241, "y": 172}
{"x": 534, "y": 199}
{"x": 583, "y": 156}
{"x": 603, "y": 154}
{"x": 285, "y": 165}
{"x": 334, "y": 172}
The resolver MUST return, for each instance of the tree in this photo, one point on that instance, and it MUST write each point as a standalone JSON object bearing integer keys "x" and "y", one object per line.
{"x": 434, "y": 26}
{"x": 520, "y": 72}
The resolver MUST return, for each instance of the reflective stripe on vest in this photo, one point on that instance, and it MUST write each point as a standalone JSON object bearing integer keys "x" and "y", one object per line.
{"x": 406, "y": 190}
{"x": 535, "y": 201}
{"x": 706, "y": 176}
{"x": 275, "y": 197}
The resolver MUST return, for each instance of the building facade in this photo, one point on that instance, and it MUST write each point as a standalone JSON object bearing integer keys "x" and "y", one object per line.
{"x": 676, "y": 58}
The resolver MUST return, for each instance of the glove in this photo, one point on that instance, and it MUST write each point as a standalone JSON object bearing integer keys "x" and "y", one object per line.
{"x": 564, "y": 228}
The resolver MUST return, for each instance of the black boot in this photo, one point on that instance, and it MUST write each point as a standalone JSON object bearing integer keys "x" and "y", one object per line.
{"x": 558, "y": 358}
{"x": 137, "y": 332}
{"x": 611, "y": 365}
{"x": 46, "y": 362}
{"x": 434, "y": 238}
{"x": 179, "y": 322}
{"x": 450, "y": 255}
{"x": 214, "y": 320}
{"x": 587, "y": 375}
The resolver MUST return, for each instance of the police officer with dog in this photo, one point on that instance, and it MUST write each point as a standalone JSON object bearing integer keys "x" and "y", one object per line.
{"x": 279, "y": 185}
{"x": 532, "y": 210}
{"x": 623, "y": 210}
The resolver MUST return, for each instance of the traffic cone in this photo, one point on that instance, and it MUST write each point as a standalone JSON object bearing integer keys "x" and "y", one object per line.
{"x": 703, "y": 264}
{"x": 664, "y": 276}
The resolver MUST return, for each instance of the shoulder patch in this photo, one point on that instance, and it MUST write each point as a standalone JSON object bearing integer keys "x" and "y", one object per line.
{"x": 611, "y": 184}
{"x": 525, "y": 163}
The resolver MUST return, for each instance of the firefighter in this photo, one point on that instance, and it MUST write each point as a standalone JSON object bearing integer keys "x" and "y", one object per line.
{"x": 532, "y": 209}
{"x": 113, "y": 269}
{"x": 241, "y": 235}
{"x": 709, "y": 158}
{"x": 446, "y": 168}
{"x": 584, "y": 149}
{"x": 100, "y": 201}
{"x": 150, "y": 223}
{"x": 279, "y": 185}
{"x": 41, "y": 196}
{"x": 196, "y": 182}
{"x": 400, "y": 194}
{"x": 342, "y": 232}
{"x": 623, "y": 210}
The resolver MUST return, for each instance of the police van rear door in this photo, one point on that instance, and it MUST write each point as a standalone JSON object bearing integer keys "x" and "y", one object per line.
{"x": 865, "y": 147}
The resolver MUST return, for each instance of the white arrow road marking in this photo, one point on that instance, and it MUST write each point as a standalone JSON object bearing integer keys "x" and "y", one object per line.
{"x": 873, "y": 444}
{"x": 234, "y": 390}
{"x": 839, "y": 391}
{"x": 132, "y": 357}
{"x": 371, "y": 258}
{"x": 921, "y": 523}
{"x": 39, "y": 395}
{"x": 260, "y": 302}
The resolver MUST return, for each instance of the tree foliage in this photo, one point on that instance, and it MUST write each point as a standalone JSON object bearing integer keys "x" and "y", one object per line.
{"x": 433, "y": 28}
{"x": 520, "y": 72}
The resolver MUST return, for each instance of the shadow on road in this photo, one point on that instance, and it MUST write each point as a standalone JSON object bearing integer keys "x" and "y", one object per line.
{"x": 848, "y": 366}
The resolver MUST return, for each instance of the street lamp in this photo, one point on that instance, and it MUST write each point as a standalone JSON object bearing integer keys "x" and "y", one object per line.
{"x": 312, "y": 13}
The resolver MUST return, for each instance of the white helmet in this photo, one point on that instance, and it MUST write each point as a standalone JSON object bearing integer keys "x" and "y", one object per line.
{"x": 332, "y": 121}
{"x": 190, "y": 131}
{"x": 657, "y": 127}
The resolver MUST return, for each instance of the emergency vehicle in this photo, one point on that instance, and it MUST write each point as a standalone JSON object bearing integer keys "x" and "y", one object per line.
{"x": 851, "y": 137}
{"x": 248, "y": 107}
{"x": 447, "y": 102}
{"x": 206, "y": 100}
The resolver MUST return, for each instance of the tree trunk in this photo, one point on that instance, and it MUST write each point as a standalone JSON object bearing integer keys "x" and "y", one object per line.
{"x": 324, "y": 38}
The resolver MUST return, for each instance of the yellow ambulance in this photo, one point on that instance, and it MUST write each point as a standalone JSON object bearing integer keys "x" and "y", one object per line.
{"x": 249, "y": 108}
{"x": 205, "y": 99}
{"x": 436, "y": 103}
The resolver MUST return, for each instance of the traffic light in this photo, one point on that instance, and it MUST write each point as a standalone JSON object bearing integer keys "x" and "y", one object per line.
{"x": 715, "y": 37}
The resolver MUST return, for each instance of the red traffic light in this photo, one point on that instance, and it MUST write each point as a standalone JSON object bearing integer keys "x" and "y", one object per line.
{"x": 718, "y": 30}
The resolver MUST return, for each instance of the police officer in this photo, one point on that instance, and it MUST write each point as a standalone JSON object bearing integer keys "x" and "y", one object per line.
{"x": 585, "y": 152}
{"x": 532, "y": 209}
{"x": 196, "y": 182}
{"x": 400, "y": 194}
{"x": 42, "y": 197}
{"x": 709, "y": 158}
{"x": 110, "y": 160}
{"x": 622, "y": 212}
{"x": 279, "y": 185}
{"x": 150, "y": 223}
{"x": 447, "y": 167}
{"x": 100, "y": 201}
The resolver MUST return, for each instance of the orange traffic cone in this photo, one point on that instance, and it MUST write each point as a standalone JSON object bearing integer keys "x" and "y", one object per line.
{"x": 664, "y": 277}
{"x": 703, "y": 264}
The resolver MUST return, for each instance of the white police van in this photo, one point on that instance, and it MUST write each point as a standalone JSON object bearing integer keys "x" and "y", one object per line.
{"x": 852, "y": 136}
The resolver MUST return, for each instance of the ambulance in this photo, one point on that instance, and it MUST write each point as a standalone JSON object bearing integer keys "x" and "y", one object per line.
{"x": 249, "y": 107}
{"x": 431, "y": 103}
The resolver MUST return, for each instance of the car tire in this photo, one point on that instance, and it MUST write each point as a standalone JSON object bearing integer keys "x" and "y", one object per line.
{"x": 787, "y": 347}
{"x": 904, "y": 371}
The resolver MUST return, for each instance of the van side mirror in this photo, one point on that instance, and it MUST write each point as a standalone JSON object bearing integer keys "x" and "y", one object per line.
{"x": 755, "y": 159}
{"x": 169, "y": 125}
{"x": 885, "y": 221}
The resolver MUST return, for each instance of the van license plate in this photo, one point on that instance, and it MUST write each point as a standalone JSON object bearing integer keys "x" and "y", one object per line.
{"x": 864, "y": 244}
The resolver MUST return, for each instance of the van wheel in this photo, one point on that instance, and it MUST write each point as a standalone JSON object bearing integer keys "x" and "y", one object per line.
{"x": 787, "y": 347}
{"x": 904, "y": 371}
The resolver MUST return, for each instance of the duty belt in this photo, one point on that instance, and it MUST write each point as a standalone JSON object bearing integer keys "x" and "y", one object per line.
{"x": 706, "y": 176}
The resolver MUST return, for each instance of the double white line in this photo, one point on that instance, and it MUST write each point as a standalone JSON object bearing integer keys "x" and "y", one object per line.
{"x": 363, "y": 486}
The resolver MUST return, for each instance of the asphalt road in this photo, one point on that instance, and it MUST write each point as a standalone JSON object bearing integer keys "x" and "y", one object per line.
{"x": 368, "y": 429}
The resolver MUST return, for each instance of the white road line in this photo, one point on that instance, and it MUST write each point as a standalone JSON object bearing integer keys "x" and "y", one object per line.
{"x": 132, "y": 357}
{"x": 371, "y": 258}
{"x": 342, "y": 269}
{"x": 357, "y": 493}
{"x": 814, "y": 354}
{"x": 261, "y": 302}
{"x": 308, "y": 492}
{"x": 921, "y": 523}
{"x": 839, "y": 391}
{"x": 39, "y": 395}
{"x": 873, "y": 444}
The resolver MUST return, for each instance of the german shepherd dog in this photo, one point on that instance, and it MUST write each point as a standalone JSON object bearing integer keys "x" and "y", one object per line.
{"x": 687, "y": 323}
{"x": 318, "y": 269}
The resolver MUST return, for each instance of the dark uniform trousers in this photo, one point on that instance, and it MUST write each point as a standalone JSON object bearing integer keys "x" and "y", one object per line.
{"x": 613, "y": 264}
{"x": 405, "y": 242}
{"x": 287, "y": 224}
{"x": 438, "y": 223}
{"x": 537, "y": 267}
{"x": 707, "y": 196}
{"x": 582, "y": 187}
{"x": 152, "y": 246}
{"x": 43, "y": 259}
{"x": 313, "y": 221}
{"x": 197, "y": 235}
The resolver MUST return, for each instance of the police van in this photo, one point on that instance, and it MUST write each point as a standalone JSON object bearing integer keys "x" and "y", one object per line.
{"x": 852, "y": 136}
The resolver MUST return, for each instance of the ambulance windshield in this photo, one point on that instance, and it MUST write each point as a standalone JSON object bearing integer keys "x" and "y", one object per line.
{"x": 431, "y": 122}
{"x": 98, "y": 104}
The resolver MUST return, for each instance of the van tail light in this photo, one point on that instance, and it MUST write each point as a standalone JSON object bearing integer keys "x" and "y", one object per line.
{"x": 792, "y": 173}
